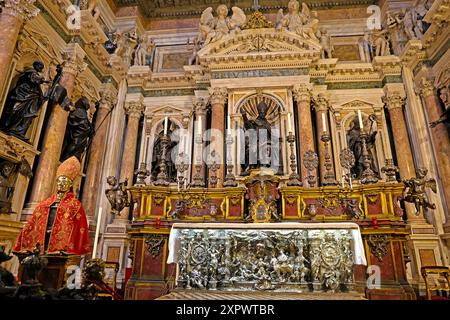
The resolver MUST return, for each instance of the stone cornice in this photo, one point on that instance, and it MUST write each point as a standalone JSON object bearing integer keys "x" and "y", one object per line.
{"x": 22, "y": 9}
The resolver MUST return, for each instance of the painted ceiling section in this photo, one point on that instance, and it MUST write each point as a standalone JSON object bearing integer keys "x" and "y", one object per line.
{"x": 163, "y": 9}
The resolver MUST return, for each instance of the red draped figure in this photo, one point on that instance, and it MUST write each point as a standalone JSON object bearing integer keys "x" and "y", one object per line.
{"x": 58, "y": 223}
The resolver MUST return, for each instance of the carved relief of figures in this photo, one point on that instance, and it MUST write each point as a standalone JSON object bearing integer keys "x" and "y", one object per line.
{"x": 213, "y": 29}
{"x": 264, "y": 260}
{"x": 24, "y": 102}
{"x": 355, "y": 145}
{"x": 304, "y": 23}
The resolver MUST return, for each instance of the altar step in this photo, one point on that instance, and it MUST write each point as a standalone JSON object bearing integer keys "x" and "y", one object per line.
{"x": 256, "y": 295}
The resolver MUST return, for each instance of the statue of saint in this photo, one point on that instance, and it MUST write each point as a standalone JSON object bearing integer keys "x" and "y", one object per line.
{"x": 79, "y": 131}
{"x": 158, "y": 155}
{"x": 24, "y": 102}
{"x": 59, "y": 223}
{"x": 355, "y": 145}
{"x": 258, "y": 137}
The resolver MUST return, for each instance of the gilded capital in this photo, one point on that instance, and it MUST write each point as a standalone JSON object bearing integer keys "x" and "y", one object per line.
{"x": 321, "y": 103}
{"x": 218, "y": 95}
{"x": 108, "y": 96}
{"x": 394, "y": 100}
{"x": 22, "y": 9}
{"x": 74, "y": 59}
{"x": 426, "y": 87}
{"x": 200, "y": 105}
{"x": 134, "y": 109}
{"x": 302, "y": 93}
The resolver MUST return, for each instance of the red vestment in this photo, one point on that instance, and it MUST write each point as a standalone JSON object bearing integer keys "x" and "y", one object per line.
{"x": 70, "y": 232}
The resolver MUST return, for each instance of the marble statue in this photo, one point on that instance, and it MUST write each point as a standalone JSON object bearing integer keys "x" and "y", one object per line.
{"x": 24, "y": 102}
{"x": 142, "y": 51}
{"x": 365, "y": 47}
{"x": 193, "y": 59}
{"x": 380, "y": 43}
{"x": 125, "y": 42}
{"x": 213, "y": 29}
{"x": 325, "y": 42}
{"x": 304, "y": 23}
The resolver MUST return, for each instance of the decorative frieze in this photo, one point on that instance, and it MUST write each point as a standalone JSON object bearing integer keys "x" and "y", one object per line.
{"x": 23, "y": 9}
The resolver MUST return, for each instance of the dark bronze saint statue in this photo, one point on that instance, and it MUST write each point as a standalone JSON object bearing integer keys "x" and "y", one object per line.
{"x": 258, "y": 136}
{"x": 158, "y": 155}
{"x": 355, "y": 145}
{"x": 79, "y": 131}
{"x": 24, "y": 102}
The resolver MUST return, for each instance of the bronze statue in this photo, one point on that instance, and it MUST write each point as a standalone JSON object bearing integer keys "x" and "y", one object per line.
{"x": 8, "y": 178}
{"x": 258, "y": 136}
{"x": 24, "y": 102}
{"x": 8, "y": 283}
{"x": 117, "y": 194}
{"x": 158, "y": 156}
{"x": 416, "y": 190}
{"x": 79, "y": 131}
{"x": 355, "y": 145}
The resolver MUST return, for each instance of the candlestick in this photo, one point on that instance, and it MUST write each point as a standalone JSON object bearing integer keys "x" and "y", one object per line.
{"x": 199, "y": 125}
{"x": 360, "y": 120}
{"x": 289, "y": 122}
{"x": 97, "y": 232}
{"x": 230, "y": 179}
{"x": 294, "y": 178}
{"x": 329, "y": 178}
{"x": 166, "y": 122}
{"x": 324, "y": 123}
{"x": 368, "y": 176}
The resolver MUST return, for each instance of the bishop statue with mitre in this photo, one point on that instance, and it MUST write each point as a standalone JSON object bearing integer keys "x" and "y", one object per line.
{"x": 58, "y": 223}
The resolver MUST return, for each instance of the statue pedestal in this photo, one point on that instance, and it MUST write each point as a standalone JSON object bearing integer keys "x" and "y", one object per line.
{"x": 54, "y": 275}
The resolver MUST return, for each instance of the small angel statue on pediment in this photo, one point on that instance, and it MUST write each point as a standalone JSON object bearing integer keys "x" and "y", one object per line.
{"x": 304, "y": 23}
{"x": 213, "y": 29}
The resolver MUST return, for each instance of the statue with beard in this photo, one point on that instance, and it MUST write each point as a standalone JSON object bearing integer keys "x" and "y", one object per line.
{"x": 24, "y": 102}
{"x": 355, "y": 145}
{"x": 258, "y": 135}
{"x": 79, "y": 131}
{"x": 158, "y": 155}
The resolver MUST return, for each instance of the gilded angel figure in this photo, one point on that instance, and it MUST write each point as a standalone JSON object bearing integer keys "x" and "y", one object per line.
{"x": 304, "y": 23}
{"x": 213, "y": 29}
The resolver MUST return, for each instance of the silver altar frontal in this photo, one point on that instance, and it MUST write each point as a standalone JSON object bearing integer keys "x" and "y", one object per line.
{"x": 284, "y": 257}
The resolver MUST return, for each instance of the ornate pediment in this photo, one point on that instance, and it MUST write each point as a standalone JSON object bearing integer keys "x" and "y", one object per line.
{"x": 265, "y": 45}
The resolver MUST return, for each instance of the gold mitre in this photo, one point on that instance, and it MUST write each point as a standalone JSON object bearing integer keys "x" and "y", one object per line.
{"x": 70, "y": 168}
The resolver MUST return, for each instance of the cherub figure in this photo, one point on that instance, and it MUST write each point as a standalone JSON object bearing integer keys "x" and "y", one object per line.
{"x": 416, "y": 190}
{"x": 213, "y": 29}
{"x": 117, "y": 194}
{"x": 304, "y": 23}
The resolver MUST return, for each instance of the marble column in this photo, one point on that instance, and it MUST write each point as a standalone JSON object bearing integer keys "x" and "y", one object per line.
{"x": 439, "y": 134}
{"x": 218, "y": 98}
{"x": 302, "y": 94}
{"x": 108, "y": 96}
{"x": 200, "y": 108}
{"x": 14, "y": 14}
{"x": 134, "y": 110}
{"x": 394, "y": 103}
{"x": 321, "y": 107}
{"x": 56, "y": 128}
